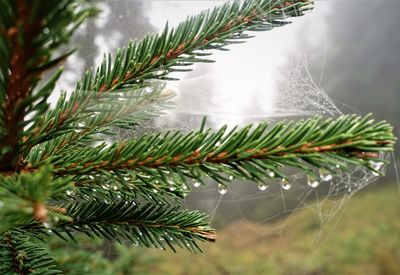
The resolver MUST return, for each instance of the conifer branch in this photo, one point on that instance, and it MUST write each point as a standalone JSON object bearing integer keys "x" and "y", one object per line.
{"x": 158, "y": 55}
{"x": 20, "y": 256}
{"x": 24, "y": 197}
{"x": 150, "y": 225}
{"x": 125, "y": 109}
{"x": 30, "y": 34}
{"x": 247, "y": 153}
{"x": 127, "y": 186}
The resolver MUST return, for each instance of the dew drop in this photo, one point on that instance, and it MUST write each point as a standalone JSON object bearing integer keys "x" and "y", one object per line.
{"x": 286, "y": 184}
{"x": 115, "y": 187}
{"x": 270, "y": 173}
{"x": 312, "y": 181}
{"x": 376, "y": 165}
{"x": 47, "y": 225}
{"x": 262, "y": 186}
{"x": 196, "y": 183}
{"x": 155, "y": 190}
{"x": 325, "y": 175}
{"x": 222, "y": 189}
{"x": 231, "y": 177}
{"x": 105, "y": 187}
{"x": 70, "y": 193}
{"x": 172, "y": 187}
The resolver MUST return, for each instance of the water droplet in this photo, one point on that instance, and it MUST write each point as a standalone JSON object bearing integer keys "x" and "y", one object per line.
{"x": 286, "y": 184}
{"x": 196, "y": 183}
{"x": 81, "y": 124}
{"x": 222, "y": 189}
{"x": 325, "y": 175}
{"x": 376, "y": 165}
{"x": 230, "y": 177}
{"x": 115, "y": 187}
{"x": 160, "y": 72}
{"x": 312, "y": 181}
{"x": 105, "y": 186}
{"x": 262, "y": 186}
{"x": 172, "y": 187}
{"x": 184, "y": 186}
{"x": 270, "y": 173}
{"x": 218, "y": 144}
{"x": 49, "y": 231}
{"x": 70, "y": 193}
{"x": 47, "y": 225}
{"x": 155, "y": 190}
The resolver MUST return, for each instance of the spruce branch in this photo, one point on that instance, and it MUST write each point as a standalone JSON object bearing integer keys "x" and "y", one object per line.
{"x": 248, "y": 153}
{"x": 30, "y": 32}
{"x": 158, "y": 55}
{"x": 24, "y": 197}
{"x": 18, "y": 255}
{"x": 150, "y": 225}
{"x": 125, "y": 109}
{"x": 125, "y": 185}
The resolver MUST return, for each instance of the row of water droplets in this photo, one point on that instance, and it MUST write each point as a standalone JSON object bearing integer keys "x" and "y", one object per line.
{"x": 312, "y": 181}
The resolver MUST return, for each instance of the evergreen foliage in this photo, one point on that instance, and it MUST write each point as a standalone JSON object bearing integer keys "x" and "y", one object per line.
{"x": 55, "y": 180}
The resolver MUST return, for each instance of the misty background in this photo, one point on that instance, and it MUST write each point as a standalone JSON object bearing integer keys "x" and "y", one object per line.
{"x": 348, "y": 50}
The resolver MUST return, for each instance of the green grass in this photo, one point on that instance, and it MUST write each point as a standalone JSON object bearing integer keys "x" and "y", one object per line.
{"x": 362, "y": 238}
